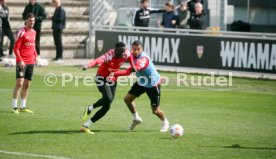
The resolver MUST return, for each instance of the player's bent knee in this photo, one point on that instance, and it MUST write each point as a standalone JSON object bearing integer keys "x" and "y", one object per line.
{"x": 155, "y": 111}
{"x": 106, "y": 107}
{"x": 127, "y": 100}
{"x": 108, "y": 99}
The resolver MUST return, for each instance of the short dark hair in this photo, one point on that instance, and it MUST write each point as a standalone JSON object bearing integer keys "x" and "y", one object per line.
{"x": 143, "y": 1}
{"x": 137, "y": 43}
{"x": 29, "y": 15}
{"x": 120, "y": 44}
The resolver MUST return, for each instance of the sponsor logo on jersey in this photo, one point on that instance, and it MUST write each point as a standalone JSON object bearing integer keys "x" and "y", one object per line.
{"x": 29, "y": 44}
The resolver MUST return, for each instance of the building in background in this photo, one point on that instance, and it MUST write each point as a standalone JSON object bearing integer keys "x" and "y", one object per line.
{"x": 260, "y": 14}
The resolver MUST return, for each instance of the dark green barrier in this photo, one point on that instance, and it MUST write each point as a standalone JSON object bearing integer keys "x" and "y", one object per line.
{"x": 197, "y": 51}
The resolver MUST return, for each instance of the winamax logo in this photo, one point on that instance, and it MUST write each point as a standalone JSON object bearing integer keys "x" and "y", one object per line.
{"x": 159, "y": 49}
{"x": 239, "y": 54}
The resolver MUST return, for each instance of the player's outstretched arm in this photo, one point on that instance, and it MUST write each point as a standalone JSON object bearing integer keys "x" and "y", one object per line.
{"x": 155, "y": 10}
{"x": 125, "y": 72}
{"x": 91, "y": 64}
{"x": 104, "y": 58}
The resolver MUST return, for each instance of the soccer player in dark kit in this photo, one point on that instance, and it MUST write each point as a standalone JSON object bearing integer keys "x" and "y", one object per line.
{"x": 25, "y": 54}
{"x": 109, "y": 63}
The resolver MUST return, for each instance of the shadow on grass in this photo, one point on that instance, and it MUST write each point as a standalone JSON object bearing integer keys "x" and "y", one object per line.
{"x": 47, "y": 132}
{"x": 123, "y": 130}
{"x": 72, "y": 131}
{"x": 5, "y": 111}
{"x": 237, "y": 146}
{"x": 168, "y": 138}
{"x": 12, "y": 113}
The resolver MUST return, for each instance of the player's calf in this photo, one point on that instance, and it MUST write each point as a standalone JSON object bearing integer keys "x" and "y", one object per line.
{"x": 165, "y": 123}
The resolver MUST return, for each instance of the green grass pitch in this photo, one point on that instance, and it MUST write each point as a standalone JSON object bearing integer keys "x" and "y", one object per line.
{"x": 220, "y": 122}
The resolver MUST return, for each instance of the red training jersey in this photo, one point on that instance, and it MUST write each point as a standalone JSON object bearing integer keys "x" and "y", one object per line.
{"x": 24, "y": 47}
{"x": 109, "y": 63}
{"x": 139, "y": 64}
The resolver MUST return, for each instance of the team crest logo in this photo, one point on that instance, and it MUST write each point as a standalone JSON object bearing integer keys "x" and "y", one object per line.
{"x": 199, "y": 51}
{"x": 100, "y": 44}
{"x": 21, "y": 74}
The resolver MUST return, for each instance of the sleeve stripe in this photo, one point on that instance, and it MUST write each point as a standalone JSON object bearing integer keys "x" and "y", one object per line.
{"x": 134, "y": 16}
{"x": 20, "y": 33}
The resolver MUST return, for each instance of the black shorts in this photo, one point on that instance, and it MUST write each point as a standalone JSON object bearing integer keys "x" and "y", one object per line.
{"x": 153, "y": 93}
{"x": 26, "y": 73}
{"x": 107, "y": 88}
{"x": 103, "y": 84}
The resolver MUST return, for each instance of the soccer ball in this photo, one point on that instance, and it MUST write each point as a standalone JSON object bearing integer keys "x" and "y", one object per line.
{"x": 7, "y": 62}
{"x": 42, "y": 62}
{"x": 176, "y": 130}
{"x": 12, "y": 62}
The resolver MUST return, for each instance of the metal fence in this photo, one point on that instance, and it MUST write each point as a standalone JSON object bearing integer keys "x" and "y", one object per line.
{"x": 267, "y": 36}
{"x": 117, "y": 15}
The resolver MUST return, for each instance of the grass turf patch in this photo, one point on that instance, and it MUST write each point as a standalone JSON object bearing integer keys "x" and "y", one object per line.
{"x": 219, "y": 122}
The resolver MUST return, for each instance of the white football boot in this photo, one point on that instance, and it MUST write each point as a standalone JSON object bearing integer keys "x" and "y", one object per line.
{"x": 165, "y": 126}
{"x": 135, "y": 122}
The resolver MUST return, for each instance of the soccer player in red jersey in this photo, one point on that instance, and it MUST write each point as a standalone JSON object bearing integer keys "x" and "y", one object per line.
{"x": 25, "y": 53}
{"x": 106, "y": 83}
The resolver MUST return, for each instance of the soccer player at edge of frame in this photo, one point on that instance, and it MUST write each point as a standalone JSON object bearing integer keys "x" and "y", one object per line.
{"x": 26, "y": 56}
{"x": 148, "y": 81}
{"x": 105, "y": 81}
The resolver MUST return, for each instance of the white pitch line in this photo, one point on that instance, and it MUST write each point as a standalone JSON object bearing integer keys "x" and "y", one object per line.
{"x": 32, "y": 155}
